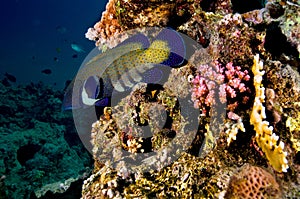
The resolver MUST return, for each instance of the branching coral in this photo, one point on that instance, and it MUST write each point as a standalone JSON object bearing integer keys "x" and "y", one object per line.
{"x": 228, "y": 82}
{"x": 266, "y": 139}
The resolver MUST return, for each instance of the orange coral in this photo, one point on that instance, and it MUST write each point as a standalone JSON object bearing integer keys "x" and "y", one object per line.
{"x": 108, "y": 25}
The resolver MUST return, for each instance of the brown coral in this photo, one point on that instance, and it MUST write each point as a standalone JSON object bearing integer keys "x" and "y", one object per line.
{"x": 108, "y": 25}
{"x": 226, "y": 38}
{"x": 290, "y": 26}
{"x": 136, "y": 13}
{"x": 253, "y": 182}
{"x": 284, "y": 80}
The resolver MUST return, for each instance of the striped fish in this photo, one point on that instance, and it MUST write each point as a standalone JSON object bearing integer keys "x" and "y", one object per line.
{"x": 119, "y": 69}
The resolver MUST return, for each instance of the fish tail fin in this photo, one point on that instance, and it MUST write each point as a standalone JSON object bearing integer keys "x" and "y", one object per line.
{"x": 176, "y": 45}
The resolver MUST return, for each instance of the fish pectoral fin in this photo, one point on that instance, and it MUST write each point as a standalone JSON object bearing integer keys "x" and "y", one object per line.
{"x": 86, "y": 99}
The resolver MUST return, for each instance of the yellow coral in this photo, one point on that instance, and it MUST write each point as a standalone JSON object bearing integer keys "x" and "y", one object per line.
{"x": 294, "y": 125}
{"x": 265, "y": 138}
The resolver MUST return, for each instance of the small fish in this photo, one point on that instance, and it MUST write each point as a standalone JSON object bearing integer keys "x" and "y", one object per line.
{"x": 137, "y": 59}
{"x": 77, "y": 48}
{"x": 46, "y": 71}
{"x": 10, "y": 77}
{"x": 55, "y": 59}
{"x": 74, "y": 56}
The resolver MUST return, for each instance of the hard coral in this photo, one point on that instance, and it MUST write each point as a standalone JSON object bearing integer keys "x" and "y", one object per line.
{"x": 136, "y": 13}
{"x": 266, "y": 139}
{"x": 285, "y": 81}
{"x": 107, "y": 27}
{"x": 290, "y": 24}
{"x": 121, "y": 15}
{"x": 226, "y": 38}
{"x": 253, "y": 182}
{"x": 294, "y": 126}
{"x": 233, "y": 130}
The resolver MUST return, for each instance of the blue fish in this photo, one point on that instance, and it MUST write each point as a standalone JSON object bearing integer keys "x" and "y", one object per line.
{"x": 77, "y": 48}
{"x": 139, "y": 58}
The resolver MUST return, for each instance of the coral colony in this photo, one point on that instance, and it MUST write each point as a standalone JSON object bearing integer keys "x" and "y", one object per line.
{"x": 247, "y": 67}
{"x": 213, "y": 77}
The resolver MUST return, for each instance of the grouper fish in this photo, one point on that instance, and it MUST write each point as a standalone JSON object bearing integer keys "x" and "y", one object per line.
{"x": 120, "y": 68}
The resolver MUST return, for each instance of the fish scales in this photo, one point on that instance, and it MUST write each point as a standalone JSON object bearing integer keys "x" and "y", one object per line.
{"x": 135, "y": 62}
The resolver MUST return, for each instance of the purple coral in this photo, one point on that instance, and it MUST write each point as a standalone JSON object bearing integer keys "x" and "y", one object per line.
{"x": 228, "y": 82}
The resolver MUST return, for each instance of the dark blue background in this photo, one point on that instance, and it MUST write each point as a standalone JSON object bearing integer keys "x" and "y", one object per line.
{"x": 30, "y": 37}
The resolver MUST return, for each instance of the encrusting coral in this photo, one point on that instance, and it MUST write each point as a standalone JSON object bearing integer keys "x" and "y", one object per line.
{"x": 294, "y": 127}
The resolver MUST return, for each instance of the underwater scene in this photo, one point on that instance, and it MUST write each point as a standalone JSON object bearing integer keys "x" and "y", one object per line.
{"x": 150, "y": 99}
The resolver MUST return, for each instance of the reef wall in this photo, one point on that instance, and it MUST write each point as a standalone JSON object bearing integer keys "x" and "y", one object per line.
{"x": 249, "y": 63}
{"x": 41, "y": 153}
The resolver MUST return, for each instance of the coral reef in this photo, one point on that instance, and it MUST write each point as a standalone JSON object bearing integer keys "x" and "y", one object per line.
{"x": 120, "y": 131}
{"x": 246, "y": 144}
{"x": 39, "y": 146}
{"x": 227, "y": 38}
{"x": 133, "y": 14}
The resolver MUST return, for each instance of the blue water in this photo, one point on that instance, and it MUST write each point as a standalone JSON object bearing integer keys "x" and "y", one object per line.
{"x": 34, "y": 33}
